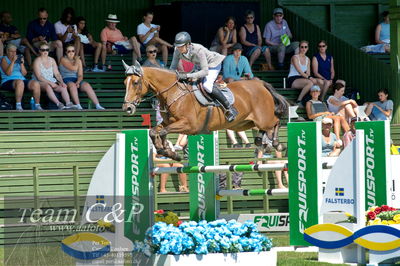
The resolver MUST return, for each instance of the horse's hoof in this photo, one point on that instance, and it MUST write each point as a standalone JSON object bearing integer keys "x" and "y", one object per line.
{"x": 258, "y": 141}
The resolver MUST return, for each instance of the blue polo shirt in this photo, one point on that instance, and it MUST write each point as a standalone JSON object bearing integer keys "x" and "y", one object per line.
{"x": 35, "y": 30}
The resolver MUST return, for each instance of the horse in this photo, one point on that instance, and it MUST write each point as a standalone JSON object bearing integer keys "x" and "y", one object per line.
{"x": 256, "y": 101}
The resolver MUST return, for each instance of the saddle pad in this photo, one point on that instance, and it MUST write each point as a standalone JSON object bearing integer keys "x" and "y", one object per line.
{"x": 203, "y": 101}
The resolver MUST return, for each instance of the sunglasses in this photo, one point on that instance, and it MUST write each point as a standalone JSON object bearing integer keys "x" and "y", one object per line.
{"x": 45, "y": 50}
{"x": 305, "y": 47}
{"x": 70, "y": 51}
{"x": 321, "y": 46}
{"x": 42, "y": 18}
{"x": 152, "y": 51}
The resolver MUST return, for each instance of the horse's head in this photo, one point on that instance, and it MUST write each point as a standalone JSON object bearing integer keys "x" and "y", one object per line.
{"x": 134, "y": 87}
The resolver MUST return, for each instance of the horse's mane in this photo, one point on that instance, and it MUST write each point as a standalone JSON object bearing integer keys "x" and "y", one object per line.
{"x": 165, "y": 70}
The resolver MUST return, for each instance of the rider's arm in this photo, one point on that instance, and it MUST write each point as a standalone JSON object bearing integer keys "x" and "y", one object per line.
{"x": 175, "y": 60}
{"x": 203, "y": 66}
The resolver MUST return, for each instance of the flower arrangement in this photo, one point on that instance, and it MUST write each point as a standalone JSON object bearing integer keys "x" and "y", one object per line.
{"x": 384, "y": 215}
{"x": 202, "y": 238}
{"x": 167, "y": 217}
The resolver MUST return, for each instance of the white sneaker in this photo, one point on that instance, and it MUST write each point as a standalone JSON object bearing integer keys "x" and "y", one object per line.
{"x": 99, "y": 107}
{"x": 71, "y": 106}
{"x": 178, "y": 147}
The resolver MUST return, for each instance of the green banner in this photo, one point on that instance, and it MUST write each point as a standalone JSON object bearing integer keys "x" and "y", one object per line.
{"x": 377, "y": 152}
{"x": 138, "y": 199}
{"x": 203, "y": 151}
{"x": 304, "y": 142}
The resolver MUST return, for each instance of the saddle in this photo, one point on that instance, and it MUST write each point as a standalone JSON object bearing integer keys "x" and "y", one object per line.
{"x": 205, "y": 99}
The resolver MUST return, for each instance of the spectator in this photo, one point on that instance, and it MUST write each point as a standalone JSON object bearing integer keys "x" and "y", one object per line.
{"x": 277, "y": 36}
{"x": 351, "y": 134}
{"x": 265, "y": 152}
{"x": 236, "y": 66}
{"x": 67, "y": 31}
{"x": 382, "y": 37}
{"x": 382, "y": 109}
{"x": 90, "y": 46}
{"x": 225, "y": 38}
{"x": 71, "y": 70}
{"x": 330, "y": 145}
{"x": 323, "y": 68}
{"x": 242, "y": 135}
{"x": 9, "y": 33}
{"x": 209, "y": 64}
{"x": 149, "y": 34}
{"x": 236, "y": 180}
{"x": 181, "y": 142}
{"x": 112, "y": 39}
{"x": 250, "y": 37}
{"x": 165, "y": 162}
{"x": 152, "y": 61}
{"x": 317, "y": 110}
{"x": 41, "y": 30}
{"x": 13, "y": 78}
{"x": 44, "y": 71}
{"x": 299, "y": 74}
{"x": 341, "y": 105}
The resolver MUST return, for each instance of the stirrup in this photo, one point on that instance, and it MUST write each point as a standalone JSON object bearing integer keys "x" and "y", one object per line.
{"x": 230, "y": 114}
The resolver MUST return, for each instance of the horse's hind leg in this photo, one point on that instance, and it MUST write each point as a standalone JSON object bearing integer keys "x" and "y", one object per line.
{"x": 275, "y": 138}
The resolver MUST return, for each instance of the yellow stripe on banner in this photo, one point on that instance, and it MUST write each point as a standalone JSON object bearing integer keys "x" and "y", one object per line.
{"x": 328, "y": 227}
{"x": 378, "y": 245}
{"x": 85, "y": 237}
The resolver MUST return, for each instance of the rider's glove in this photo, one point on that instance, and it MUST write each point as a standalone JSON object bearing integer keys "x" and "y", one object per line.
{"x": 182, "y": 76}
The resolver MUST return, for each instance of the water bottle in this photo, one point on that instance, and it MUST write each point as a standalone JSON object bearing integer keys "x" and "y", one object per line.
{"x": 358, "y": 96}
{"x": 32, "y": 103}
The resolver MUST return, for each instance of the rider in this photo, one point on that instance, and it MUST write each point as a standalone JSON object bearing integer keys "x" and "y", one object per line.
{"x": 210, "y": 66}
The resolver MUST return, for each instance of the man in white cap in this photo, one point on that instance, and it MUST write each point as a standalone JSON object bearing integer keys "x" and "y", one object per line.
{"x": 277, "y": 36}
{"x": 112, "y": 38}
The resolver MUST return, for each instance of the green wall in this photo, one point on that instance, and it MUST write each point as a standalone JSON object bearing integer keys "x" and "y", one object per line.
{"x": 353, "y": 21}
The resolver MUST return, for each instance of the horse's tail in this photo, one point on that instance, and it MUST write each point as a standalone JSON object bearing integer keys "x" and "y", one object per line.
{"x": 281, "y": 104}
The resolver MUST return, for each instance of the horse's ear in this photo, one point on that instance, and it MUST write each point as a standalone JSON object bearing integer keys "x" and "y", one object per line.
{"x": 138, "y": 68}
{"x": 129, "y": 70}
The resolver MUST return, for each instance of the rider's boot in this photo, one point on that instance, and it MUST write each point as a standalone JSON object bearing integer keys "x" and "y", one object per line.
{"x": 230, "y": 111}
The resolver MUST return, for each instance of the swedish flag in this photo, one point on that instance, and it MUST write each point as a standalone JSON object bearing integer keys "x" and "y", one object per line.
{"x": 339, "y": 191}
{"x": 99, "y": 198}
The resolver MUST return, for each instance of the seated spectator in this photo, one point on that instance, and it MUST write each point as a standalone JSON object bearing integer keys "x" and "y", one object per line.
{"x": 382, "y": 37}
{"x": 317, "y": 110}
{"x": 236, "y": 66}
{"x": 299, "y": 74}
{"x": 277, "y": 36}
{"x": 90, "y": 46}
{"x": 112, "y": 39}
{"x": 71, "y": 70}
{"x": 250, "y": 37}
{"x": 382, "y": 109}
{"x": 323, "y": 68}
{"x": 181, "y": 142}
{"x": 330, "y": 145}
{"x": 152, "y": 61}
{"x": 67, "y": 31}
{"x": 265, "y": 151}
{"x": 41, "y": 30}
{"x": 13, "y": 78}
{"x": 236, "y": 180}
{"x": 165, "y": 162}
{"x": 149, "y": 34}
{"x": 45, "y": 71}
{"x": 9, "y": 34}
{"x": 341, "y": 105}
{"x": 242, "y": 135}
{"x": 225, "y": 38}
{"x": 351, "y": 134}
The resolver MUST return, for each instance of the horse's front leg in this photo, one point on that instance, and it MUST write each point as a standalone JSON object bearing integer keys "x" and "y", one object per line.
{"x": 157, "y": 140}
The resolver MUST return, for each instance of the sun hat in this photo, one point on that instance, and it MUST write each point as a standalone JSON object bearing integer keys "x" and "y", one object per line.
{"x": 112, "y": 18}
{"x": 327, "y": 120}
{"x": 315, "y": 88}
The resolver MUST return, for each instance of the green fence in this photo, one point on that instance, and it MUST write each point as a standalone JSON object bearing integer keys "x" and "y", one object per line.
{"x": 358, "y": 69}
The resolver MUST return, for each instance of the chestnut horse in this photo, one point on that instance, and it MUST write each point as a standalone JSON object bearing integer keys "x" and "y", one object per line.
{"x": 257, "y": 103}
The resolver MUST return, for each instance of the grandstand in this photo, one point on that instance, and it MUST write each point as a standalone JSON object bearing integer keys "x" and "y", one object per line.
{"x": 54, "y": 153}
